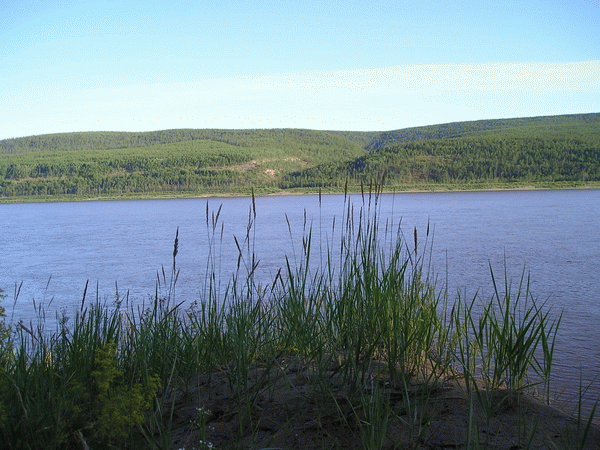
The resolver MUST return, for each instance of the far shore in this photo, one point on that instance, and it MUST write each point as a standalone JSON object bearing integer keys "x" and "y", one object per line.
{"x": 313, "y": 191}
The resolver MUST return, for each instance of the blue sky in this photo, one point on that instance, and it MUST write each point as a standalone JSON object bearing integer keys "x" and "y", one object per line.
{"x": 352, "y": 65}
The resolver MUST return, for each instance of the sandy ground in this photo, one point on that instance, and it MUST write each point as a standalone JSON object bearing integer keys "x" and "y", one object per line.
{"x": 287, "y": 410}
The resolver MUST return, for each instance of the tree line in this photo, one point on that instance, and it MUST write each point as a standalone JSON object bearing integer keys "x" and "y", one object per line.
{"x": 523, "y": 154}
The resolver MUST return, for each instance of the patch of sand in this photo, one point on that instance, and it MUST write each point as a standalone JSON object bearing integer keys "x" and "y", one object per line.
{"x": 295, "y": 408}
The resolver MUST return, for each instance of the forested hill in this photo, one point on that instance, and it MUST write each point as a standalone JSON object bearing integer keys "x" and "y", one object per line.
{"x": 496, "y": 153}
{"x": 458, "y": 129}
{"x": 105, "y": 140}
{"x": 540, "y": 151}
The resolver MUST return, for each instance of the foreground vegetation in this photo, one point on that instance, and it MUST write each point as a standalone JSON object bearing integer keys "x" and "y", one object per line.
{"x": 351, "y": 347}
{"x": 558, "y": 151}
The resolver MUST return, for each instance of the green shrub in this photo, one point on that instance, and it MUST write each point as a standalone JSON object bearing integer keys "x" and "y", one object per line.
{"x": 120, "y": 407}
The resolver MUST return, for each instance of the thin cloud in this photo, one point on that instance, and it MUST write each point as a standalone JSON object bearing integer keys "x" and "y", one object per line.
{"x": 380, "y": 98}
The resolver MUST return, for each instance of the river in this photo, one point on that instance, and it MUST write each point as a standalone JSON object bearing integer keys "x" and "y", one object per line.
{"x": 50, "y": 250}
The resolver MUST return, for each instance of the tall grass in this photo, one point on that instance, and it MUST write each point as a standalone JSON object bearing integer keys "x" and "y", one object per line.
{"x": 501, "y": 343}
{"x": 365, "y": 320}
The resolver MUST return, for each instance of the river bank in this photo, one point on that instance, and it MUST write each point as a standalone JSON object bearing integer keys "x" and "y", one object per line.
{"x": 474, "y": 187}
{"x": 293, "y": 410}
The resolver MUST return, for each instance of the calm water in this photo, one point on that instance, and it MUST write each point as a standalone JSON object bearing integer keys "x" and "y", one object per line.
{"x": 554, "y": 236}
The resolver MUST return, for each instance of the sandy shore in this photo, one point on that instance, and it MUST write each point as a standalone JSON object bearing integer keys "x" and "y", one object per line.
{"x": 291, "y": 412}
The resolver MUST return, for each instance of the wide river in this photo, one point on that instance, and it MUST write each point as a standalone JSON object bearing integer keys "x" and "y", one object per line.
{"x": 554, "y": 236}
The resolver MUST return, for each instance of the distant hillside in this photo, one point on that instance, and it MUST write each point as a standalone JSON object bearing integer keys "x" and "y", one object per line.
{"x": 530, "y": 150}
{"x": 369, "y": 140}
{"x": 170, "y": 162}
{"x": 104, "y": 140}
{"x": 458, "y": 129}
{"x": 490, "y": 153}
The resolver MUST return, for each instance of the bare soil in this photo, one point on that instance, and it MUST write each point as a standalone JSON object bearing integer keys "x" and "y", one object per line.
{"x": 292, "y": 407}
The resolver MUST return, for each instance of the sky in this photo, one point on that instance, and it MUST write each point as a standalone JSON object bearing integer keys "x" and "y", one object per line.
{"x": 364, "y": 65}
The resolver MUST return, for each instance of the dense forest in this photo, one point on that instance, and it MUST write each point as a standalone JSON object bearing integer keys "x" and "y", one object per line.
{"x": 522, "y": 154}
{"x": 491, "y": 153}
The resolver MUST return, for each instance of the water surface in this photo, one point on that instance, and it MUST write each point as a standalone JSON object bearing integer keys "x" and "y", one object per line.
{"x": 553, "y": 236}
